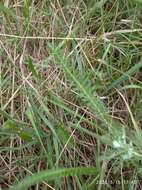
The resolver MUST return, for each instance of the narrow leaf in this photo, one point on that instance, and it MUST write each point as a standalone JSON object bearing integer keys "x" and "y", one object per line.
{"x": 32, "y": 68}
{"x": 126, "y": 75}
{"x": 12, "y": 127}
{"x": 51, "y": 175}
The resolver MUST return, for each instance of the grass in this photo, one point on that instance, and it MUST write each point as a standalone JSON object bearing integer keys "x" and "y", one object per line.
{"x": 70, "y": 94}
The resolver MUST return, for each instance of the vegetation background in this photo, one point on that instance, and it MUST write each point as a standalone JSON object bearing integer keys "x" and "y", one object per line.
{"x": 70, "y": 94}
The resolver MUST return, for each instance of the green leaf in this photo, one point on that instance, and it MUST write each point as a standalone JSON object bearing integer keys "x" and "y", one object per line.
{"x": 12, "y": 127}
{"x": 32, "y": 68}
{"x": 126, "y": 75}
{"x": 31, "y": 116}
{"x": 51, "y": 175}
{"x": 132, "y": 86}
{"x": 26, "y": 8}
{"x": 138, "y": 1}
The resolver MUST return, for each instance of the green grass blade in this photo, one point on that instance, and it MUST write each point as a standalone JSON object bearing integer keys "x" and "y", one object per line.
{"x": 132, "y": 86}
{"x": 32, "y": 68}
{"x": 53, "y": 174}
{"x": 26, "y": 8}
{"x": 126, "y": 75}
{"x": 30, "y": 115}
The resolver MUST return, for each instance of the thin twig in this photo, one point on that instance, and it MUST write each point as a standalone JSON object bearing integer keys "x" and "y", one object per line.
{"x": 89, "y": 38}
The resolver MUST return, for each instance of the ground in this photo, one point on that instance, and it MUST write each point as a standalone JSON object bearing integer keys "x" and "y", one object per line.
{"x": 70, "y": 94}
